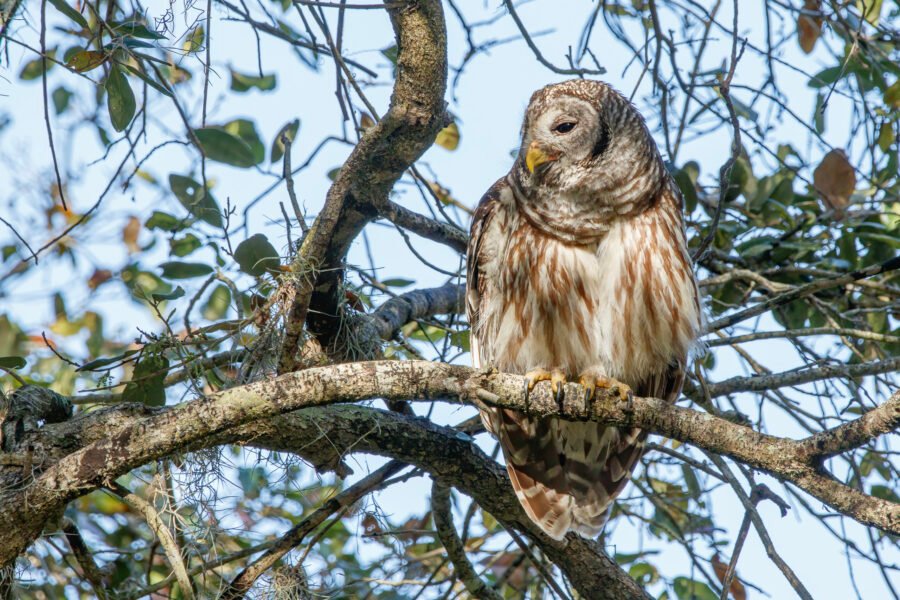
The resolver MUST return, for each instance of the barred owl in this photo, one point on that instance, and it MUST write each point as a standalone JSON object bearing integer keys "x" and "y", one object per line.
{"x": 578, "y": 270}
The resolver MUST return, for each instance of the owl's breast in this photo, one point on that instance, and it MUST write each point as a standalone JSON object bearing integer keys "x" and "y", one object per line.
{"x": 626, "y": 304}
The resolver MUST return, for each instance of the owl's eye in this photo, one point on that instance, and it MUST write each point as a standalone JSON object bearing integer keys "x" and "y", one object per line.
{"x": 565, "y": 127}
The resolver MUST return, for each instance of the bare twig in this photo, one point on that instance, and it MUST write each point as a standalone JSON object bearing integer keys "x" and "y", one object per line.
{"x": 753, "y": 515}
{"x": 82, "y": 554}
{"x": 244, "y": 580}
{"x": 462, "y": 568}
{"x": 165, "y": 537}
{"x": 736, "y": 146}
{"x": 537, "y": 53}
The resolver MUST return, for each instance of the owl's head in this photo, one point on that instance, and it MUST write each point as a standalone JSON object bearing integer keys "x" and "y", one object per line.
{"x": 584, "y": 137}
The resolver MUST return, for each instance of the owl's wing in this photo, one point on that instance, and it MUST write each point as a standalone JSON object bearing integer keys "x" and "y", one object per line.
{"x": 481, "y": 260}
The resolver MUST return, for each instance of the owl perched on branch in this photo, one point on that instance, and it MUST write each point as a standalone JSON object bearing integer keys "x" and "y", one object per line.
{"x": 578, "y": 270}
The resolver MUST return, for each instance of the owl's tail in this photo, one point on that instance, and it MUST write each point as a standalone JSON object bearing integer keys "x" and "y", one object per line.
{"x": 566, "y": 474}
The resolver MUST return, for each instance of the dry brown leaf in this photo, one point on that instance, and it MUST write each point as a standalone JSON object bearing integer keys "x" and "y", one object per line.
{"x": 370, "y": 525}
{"x": 835, "y": 180}
{"x": 366, "y": 121}
{"x": 737, "y": 589}
{"x": 99, "y": 277}
{"x": 130, "y": 234}
{"x": 809, "y": 28}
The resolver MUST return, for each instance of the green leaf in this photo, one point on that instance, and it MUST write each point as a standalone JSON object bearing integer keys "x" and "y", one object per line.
{"x": 691, "y": 482}
{"x": 135, "y": 29}
{"x": 886, "y": 136}
{"x": 218, "y": 303}
{"x": 147, "y": 382}
{"x": 644, "y": 573}
{"x": 827, "y": 77}
{"x": 290, "y": 131}
{"x": 86, "y": 60}
{"x": 198, "y": 201}
{"x": 61, "y": 97}
{"x": 97, "y": 364}
{"x": 63, "y": 7}
{"x": 181, "y": 247}
{"x": 120, "y": 99}
{"x": 165, "y": 222}
{"x": 892, "y": 95}
{"x": 460, "y": 339}
{"x": 870, "y": 9}
{"x": 253, "y": 480}
{"x": 146, "y": 78}
{"x": 243, "y": 83}
{"x": 448, "y": 137}
{"x": 143, "y": 283}
{"x": 222, "y": 146}
{"x": 184, "y": 270}
{"x": 33, "y": 69}
{"x": 819, "y": 113}
{"x": 398, "y": 282}
{"x": 755, "y": 246}
{"x": 246, "y": 130}
{"x": 256, "y": 255}
{"x": 885, "y": 493}
{"x": 175, "y": 294}
{"x": 194, "y": 41}
{"x": 391, "y": 53}
{"x": 12, "y": 362}
{"x": 744, "y": 110}
{"x": 688, "y": 189}
{"x": 688, "y": 589}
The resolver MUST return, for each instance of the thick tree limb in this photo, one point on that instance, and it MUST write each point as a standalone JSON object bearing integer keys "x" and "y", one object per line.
{"x": 139, "y": 441}
{"x": 326, "y": 434}
{"x": 416, "y": 113}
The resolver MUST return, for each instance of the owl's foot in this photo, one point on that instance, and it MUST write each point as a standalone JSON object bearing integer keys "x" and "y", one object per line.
{"x": 556, "y": 377}
{"x": 591, "y": 381}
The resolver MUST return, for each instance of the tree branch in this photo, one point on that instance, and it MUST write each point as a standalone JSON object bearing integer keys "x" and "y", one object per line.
{"x": 456, "y": 552}
{"x": 244, "y": 580}
{"x": 188, "y": 425}
{"x": 90, "y": 571}
{"x": 416, "y": 113}
{"x": 165, "y": 537}
{"x": 878, "y": 421}
{"x": 803, "y": 291}
{"x": 450, "y": 298}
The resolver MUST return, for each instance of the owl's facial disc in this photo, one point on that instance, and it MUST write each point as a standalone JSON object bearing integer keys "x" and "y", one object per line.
{"x": 563, "y": 136}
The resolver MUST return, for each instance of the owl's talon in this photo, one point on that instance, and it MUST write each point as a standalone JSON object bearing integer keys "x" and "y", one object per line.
{"x": 629, "y": 402}
{"x": 591, "y": 382}
{"x": 558, "y": 386}
{"x": 560, "y": 396}
{"x": 557, "y": 379}
{"x": 532, "y": 378}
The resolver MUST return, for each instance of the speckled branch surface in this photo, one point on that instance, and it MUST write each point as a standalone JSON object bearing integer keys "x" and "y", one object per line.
{"x": 416, "y": 113}
{"x": 87, "y": 452}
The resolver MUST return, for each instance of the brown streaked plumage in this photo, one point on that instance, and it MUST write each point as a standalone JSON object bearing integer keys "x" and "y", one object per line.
{"x": 578, "y": 264}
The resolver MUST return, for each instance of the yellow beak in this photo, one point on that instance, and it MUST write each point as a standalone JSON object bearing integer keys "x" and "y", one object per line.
{"x": 537, "y": 156}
